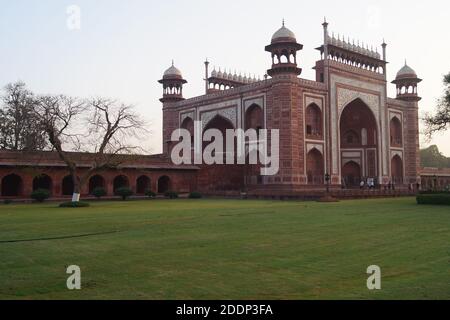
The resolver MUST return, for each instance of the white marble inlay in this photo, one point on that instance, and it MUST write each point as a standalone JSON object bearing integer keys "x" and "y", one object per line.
{"x": 310, "y": 100}
{"x": 311, "y": 146}
{"x": 185, "y": 115}
{"x": 228, "y": 113}
{"x": 338, "y": 101}
{"x": 397, "y": 153}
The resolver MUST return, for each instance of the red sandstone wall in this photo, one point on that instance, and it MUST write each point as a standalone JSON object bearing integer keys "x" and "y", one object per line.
{"x": 411, "y": 156}
{"x": 285, "y": 112}
{"x": 181, "y": 181}
{"x": 221, "y": 178}
{"x": 170, "y": 123}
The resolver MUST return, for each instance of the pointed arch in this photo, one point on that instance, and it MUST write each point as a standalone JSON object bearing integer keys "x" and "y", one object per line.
{"x": 12, "y": 186}
{"x": 222, "y": 124}
{"x": 359, "y": 136}
{"x": 188, "y": 124}
{"x": 96, "y": 181}
{"x": 351, "y": 173}
{"x": 164, "y": 184}
{"x": 67, "y": 186}
{"x": 42, "y": 181}
{"x": 395, "y": 127}
{"x": 314, "y": 121}
{"x": 397, "y": 169}
{"x": 315, "y": 167}
{"x": 143, "y": 184}
{"x": 254, "y": 117}
{"x": 218, "y": 122}
{"x": 120, "y": 181}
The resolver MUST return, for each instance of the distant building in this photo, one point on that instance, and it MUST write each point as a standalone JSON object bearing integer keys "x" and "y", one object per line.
{"x": 435, "y": 179}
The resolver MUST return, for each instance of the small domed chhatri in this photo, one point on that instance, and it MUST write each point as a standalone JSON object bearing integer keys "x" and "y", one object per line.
{"x": 172, "y": 82}
{"x": 283, "y": 35}
{"x": 284, "y": 48}
{"x": 406, "y": 82}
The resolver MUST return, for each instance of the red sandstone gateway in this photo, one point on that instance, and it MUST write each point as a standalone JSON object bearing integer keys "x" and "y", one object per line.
{"x": 342, "y": 125}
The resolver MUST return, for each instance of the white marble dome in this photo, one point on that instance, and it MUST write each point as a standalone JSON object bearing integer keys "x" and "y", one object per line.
{"x": 282, "y": 34}
{"x": 173, "y": 71}
{"x": 406, "y": 71}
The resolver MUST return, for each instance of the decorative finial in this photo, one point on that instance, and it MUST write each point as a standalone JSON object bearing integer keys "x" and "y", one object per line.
{"x": 405, "y": 63}
{"x": 283, "y": 22}
{"x": 173, "y": 63}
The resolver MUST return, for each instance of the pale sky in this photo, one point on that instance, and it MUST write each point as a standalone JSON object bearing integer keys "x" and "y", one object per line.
{"x": 123, "y": 47}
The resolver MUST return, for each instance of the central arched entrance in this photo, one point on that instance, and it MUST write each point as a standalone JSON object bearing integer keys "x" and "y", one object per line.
{"x": 359, "y": 143}
{"x": 222, "y": 124}
{"x": 221, "y": 177}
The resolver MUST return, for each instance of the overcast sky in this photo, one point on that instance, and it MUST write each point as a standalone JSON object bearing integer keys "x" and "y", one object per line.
{"x": 123, "y": 47}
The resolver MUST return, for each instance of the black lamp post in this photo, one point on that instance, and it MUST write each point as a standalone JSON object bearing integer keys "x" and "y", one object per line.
{"x": 327, "y": 180}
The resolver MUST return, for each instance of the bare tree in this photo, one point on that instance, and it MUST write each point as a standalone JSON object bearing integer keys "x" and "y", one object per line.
{"x": 101, "y": 127}
{"x": 19, "y": 128}
{"x": 441, "y": 120}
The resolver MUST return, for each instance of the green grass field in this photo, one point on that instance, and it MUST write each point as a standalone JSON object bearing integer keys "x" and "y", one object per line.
{"x": 226, "y": 249}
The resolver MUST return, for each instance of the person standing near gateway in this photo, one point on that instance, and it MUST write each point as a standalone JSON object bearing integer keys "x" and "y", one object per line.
{"x": 362, "y": 184}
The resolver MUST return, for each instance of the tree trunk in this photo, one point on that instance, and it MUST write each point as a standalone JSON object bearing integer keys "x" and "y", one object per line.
{"x": 76, "y": 187}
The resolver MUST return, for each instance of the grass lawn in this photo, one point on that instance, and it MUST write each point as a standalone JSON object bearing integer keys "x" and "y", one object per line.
{"x": 226, "y": 249}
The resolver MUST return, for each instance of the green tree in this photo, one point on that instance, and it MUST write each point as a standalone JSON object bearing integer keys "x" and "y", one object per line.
{"x": 440, "y": 121}
{"x": 19, "y": 127}
{"x": 432, "y": 157}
